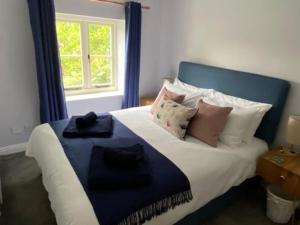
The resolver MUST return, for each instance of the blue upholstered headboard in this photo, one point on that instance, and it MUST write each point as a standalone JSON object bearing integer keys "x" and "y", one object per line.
{"x": 244, "y": 85}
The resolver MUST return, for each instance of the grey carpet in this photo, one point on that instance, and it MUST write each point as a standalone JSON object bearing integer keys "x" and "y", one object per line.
{"x": 26, "y": 201}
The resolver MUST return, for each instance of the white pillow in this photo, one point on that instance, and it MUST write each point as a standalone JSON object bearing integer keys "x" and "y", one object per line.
{"x": 191, "y": 97}
{"x": 237, "y": 124}
{"x": 256, "y": 108}
{"x": 191, "y": 88}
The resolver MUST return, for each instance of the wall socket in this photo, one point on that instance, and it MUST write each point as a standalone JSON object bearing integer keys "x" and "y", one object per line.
{"x": 17, "y": 130}
{"x": 21, "y": 129}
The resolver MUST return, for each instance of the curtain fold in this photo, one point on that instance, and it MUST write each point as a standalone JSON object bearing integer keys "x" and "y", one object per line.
{"x": 51, "y": 93}
{"x": 133, "y": 20}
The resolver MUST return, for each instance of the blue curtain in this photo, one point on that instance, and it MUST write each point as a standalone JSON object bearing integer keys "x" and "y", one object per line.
{"x": 133, "y": 17}
{"x": 51, "y": 94}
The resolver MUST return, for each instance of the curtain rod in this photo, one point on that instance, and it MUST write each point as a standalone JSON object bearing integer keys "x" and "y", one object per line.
{"x": 117, "y": 3}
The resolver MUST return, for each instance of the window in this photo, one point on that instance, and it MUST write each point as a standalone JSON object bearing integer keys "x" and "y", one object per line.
{"x": 88, "y": 54}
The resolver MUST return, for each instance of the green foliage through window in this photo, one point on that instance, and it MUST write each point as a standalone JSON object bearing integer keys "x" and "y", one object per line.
{"x": 69, "y": 42}
{"x": 100, "y": 53}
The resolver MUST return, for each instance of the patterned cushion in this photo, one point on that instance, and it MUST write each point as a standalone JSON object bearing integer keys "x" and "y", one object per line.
{"x": 173, "y": 117}
{"x": 165, "y": 93}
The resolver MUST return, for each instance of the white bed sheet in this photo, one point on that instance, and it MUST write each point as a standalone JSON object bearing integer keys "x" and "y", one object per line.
{"x": 211, "y": 171}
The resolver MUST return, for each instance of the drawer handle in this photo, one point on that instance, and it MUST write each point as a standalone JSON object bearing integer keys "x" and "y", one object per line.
{"x": 282, "y": 177}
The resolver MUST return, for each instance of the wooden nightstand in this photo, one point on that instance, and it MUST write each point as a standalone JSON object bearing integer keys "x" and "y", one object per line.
{"x": 282, "y": 168}
{"x": 147, "y": 100}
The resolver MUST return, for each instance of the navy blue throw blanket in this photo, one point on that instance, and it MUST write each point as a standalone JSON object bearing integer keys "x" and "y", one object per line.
{"x": 129, "y": 206}
{"x": 101, "y": 128}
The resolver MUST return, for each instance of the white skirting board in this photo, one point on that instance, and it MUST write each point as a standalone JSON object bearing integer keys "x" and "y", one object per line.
{"x": 11, "y": 149}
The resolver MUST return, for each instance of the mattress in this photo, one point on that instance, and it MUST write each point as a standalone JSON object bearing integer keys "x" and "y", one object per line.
{"x": 211, "y": 171}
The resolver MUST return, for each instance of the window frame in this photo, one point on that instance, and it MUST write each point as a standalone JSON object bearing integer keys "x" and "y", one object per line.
{"x": 88, "y": 87}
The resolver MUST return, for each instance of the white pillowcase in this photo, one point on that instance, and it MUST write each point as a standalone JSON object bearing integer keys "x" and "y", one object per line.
{"x": 192, "y": 96}
{"x": 191, "y": 88}
{"x": 237, "y": 124}
{"x": 244, "y": 119}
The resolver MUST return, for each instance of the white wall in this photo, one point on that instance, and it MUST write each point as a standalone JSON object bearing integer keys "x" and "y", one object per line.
{"x": 255, "y": 36}
{"x": 18, "y": 89}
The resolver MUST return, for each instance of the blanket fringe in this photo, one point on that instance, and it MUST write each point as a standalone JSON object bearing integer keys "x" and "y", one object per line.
{"x": 157, "y": 208}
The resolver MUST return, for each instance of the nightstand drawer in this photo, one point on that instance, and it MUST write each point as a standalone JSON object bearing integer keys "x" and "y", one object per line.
{"x": 278, "y": 168}
{"x": 290, "y": 183}
{"x": 287, "y": 181}
{"x": 271, "y": 172}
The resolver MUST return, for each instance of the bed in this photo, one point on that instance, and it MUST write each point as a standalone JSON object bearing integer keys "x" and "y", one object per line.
{"x": 212, "y": 181}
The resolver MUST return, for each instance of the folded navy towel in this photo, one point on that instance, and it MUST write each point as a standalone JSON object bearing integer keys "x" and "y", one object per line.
{"x": 86, "y": 120}
{"x": 130, "y": 156}
{"x": 106, "y": 176}
{"x": 103, "y": 127}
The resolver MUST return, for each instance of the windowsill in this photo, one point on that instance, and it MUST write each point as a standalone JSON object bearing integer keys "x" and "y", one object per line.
{"x": 93, "y": 96}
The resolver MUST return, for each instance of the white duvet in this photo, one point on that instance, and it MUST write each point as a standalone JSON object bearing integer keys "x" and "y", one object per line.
{"x": 211, "y": 171}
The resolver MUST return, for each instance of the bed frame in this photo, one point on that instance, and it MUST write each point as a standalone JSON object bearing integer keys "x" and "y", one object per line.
{"x": 244, "y": 85}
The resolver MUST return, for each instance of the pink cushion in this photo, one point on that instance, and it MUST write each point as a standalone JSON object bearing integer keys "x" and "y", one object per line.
{"x": 165, "y": 93}
{"x": 209, "y": 122}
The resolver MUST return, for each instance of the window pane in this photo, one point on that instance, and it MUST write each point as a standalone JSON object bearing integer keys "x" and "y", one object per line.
{"x": 100, "y": 39}
{"x": 68, "y": 35}
{"x": 72, "y": 71}
{"x": 69, "y": 41}
{"x": 100, "y": 54}
{"x": 101, "y": 70}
